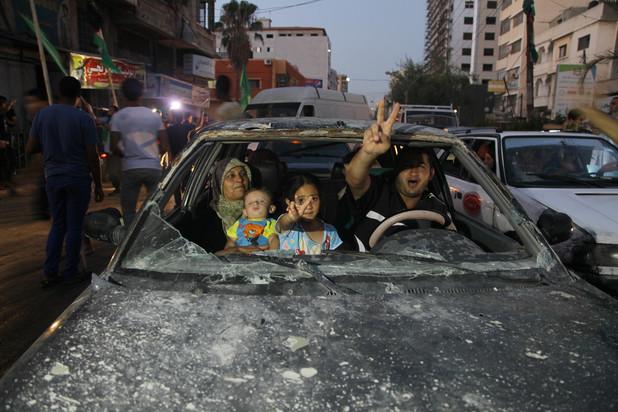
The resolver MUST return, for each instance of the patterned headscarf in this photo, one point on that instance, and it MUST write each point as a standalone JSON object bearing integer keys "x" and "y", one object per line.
{"x": 229, "y": 212}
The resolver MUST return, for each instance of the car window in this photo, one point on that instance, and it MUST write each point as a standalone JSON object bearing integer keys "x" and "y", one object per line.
{"x": 485, "y": 149}
{"x": 272, "y": 110}
{"x": 431, "y": 119}
{"x": 560, "y": 162}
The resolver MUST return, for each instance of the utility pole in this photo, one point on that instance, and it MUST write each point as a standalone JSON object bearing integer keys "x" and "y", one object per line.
{"x": 35, "y": 20}
{"x": 531, "y": 56}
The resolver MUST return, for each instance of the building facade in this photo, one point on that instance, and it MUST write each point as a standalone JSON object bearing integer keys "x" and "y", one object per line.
{"x": 307, "y": 48}
{"x": 165, "y": 43}
{"x": 465, "y": 33}
{"x": 577, "y": 37}
{"x": 512, "y": 49}
{"x": 262, "y": 74}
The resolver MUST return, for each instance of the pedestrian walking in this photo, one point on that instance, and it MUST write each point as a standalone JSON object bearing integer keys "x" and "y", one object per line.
{"x": 138, "y": 136}
{"x": 68, "y": 139}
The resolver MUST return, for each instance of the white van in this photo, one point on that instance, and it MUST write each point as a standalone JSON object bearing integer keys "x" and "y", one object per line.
{"x": 308, "y": 102}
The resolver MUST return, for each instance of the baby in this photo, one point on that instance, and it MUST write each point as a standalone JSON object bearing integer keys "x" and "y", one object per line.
{"x": 255, "y": 227}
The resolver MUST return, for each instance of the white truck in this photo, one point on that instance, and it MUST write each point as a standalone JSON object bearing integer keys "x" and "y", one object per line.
{"x": 442, "y": 117}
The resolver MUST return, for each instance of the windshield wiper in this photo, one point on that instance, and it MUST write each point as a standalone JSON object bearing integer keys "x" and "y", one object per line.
{"x": 316, "y": 273}
{"x": 563, "y": 178}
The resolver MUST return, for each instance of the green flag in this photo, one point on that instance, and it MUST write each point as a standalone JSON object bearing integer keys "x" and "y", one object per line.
{"x": 245, "y": 89}
{"x": 51, "y": 50}
{"x": 106, "y": 60}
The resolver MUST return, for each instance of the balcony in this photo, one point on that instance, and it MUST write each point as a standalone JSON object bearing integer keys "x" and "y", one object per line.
{"x": 171, "y": 25}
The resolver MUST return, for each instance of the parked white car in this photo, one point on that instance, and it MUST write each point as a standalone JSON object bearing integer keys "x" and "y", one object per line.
{"x": 573, "y": 173}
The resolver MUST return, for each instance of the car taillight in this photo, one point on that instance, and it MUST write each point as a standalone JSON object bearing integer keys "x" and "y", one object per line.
{"x": 103, "y": 155}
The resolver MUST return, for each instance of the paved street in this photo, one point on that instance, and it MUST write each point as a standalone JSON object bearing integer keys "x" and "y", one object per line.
{"x": 26, "y": 309}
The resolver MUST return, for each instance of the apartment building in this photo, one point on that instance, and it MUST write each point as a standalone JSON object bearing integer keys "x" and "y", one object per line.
{"x": 576, "y": 37}
{"x": 512, "y": 49}
{"x": 465, "y": 32}
{"x": 307, "y": 48}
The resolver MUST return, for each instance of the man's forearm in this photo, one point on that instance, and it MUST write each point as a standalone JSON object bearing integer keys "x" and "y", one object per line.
{"x": 357, "y": 173}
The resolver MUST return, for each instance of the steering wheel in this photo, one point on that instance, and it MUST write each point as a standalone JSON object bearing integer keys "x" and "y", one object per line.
{"x": 407, "y": 215}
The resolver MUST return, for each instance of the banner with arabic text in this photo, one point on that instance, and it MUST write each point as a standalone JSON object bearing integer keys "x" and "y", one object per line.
{"x": 93, "y": 75}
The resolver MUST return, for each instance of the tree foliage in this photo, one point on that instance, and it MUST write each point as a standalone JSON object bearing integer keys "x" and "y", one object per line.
{"x": 416, "y": 83}
{"x": 236, "y": 20}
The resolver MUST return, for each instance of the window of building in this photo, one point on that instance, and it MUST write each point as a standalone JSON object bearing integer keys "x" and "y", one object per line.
{"x": 282, "y": 34}
{"x": 254, "y": 83}
{"x": 562, "y": 51}
{"x": 268, "y": 50}
{"x": 258, "y": 49}
{"x": 505, "y": 26}
{"x": 519, "y": 19}
{"x": 491, "y": 4}
{"x": 468, "y": 20}
{"x": 490, "y": 36}
{"x": 465, "y": 67}
{"x": 502, "y": 51}
{"x": 269, "y": 36}
{"x": 299, "y": 34}
{"x": 469, "y": 4}
{"x": 488, "y": 52}
{"x": 516, "y": 46}
{"x": 506, "y": 3}
{"x": 466, "y": 52}
{"x": 490, "y": 20}
{"x": 488, "y": 67}
{"x": 314, "y": 35}
{"x": 467, "y": 36}
{"x": 583, "y": 42}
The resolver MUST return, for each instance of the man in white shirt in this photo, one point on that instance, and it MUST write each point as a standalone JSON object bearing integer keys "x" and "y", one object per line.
{"x": 139, "y": 137}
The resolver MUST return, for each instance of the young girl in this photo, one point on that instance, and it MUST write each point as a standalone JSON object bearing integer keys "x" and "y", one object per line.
{"x": 300, "y": 229}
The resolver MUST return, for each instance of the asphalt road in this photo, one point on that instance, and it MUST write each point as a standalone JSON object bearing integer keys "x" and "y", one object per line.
{"x": 27, "y": 310}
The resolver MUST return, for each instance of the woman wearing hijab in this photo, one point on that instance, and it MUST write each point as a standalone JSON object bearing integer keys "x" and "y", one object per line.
{"x": 230, "y": 181}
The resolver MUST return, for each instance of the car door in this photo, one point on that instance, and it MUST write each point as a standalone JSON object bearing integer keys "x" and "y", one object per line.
{"x": 468, "y": 197}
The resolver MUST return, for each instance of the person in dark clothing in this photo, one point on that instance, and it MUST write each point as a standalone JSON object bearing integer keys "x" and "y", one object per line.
{"x": 178, "y": 134}
{"x": 35, "y": 100}
{"x": 8, "y": 159}
{"x": 68, "y": 139}
{"x": 375, "y": 198}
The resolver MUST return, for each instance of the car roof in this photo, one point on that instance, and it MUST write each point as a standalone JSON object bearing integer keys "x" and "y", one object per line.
{"x": 311, "y": 127}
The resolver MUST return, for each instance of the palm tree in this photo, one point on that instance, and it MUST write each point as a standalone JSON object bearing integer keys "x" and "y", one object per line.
{"x": 236, "y": 20}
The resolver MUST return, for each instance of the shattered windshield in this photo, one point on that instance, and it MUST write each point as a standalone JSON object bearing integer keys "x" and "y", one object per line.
{"x": 176, "y": 241}
{"x": 161, "y": 249}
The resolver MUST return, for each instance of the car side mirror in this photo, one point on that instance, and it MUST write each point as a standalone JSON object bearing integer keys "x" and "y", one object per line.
{"x": 105, "y": 225}
{"x": 555, "y": 226}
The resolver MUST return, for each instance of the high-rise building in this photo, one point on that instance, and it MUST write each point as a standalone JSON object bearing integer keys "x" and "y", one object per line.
{"x": 465, "y": 33}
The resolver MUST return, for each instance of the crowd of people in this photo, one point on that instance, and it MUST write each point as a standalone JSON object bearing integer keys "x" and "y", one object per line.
{"x": 134, "y": 139}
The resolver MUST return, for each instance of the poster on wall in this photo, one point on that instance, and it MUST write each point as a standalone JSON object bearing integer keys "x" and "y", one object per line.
{"x": 93, "y": 75}
{"x": 574, "y": 87}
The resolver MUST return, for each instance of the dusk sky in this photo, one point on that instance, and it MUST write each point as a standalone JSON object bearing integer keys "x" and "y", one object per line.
{"x": 368, "y": 37}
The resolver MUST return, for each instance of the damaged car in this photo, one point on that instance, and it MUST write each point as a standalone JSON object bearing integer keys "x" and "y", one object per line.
{"x": 428, "y": 319}
{"x": 570, "y": 173}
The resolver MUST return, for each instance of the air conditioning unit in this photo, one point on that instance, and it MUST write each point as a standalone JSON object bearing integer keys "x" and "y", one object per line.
{"x": 268, "y": 62}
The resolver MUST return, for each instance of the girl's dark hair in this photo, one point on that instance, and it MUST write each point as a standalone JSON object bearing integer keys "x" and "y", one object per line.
{"x": 299, "y": 180}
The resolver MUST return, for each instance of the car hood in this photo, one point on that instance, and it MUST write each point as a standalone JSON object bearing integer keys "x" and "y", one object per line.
{"x": 528, "y": 349}
{"x": 594, "y": 210}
